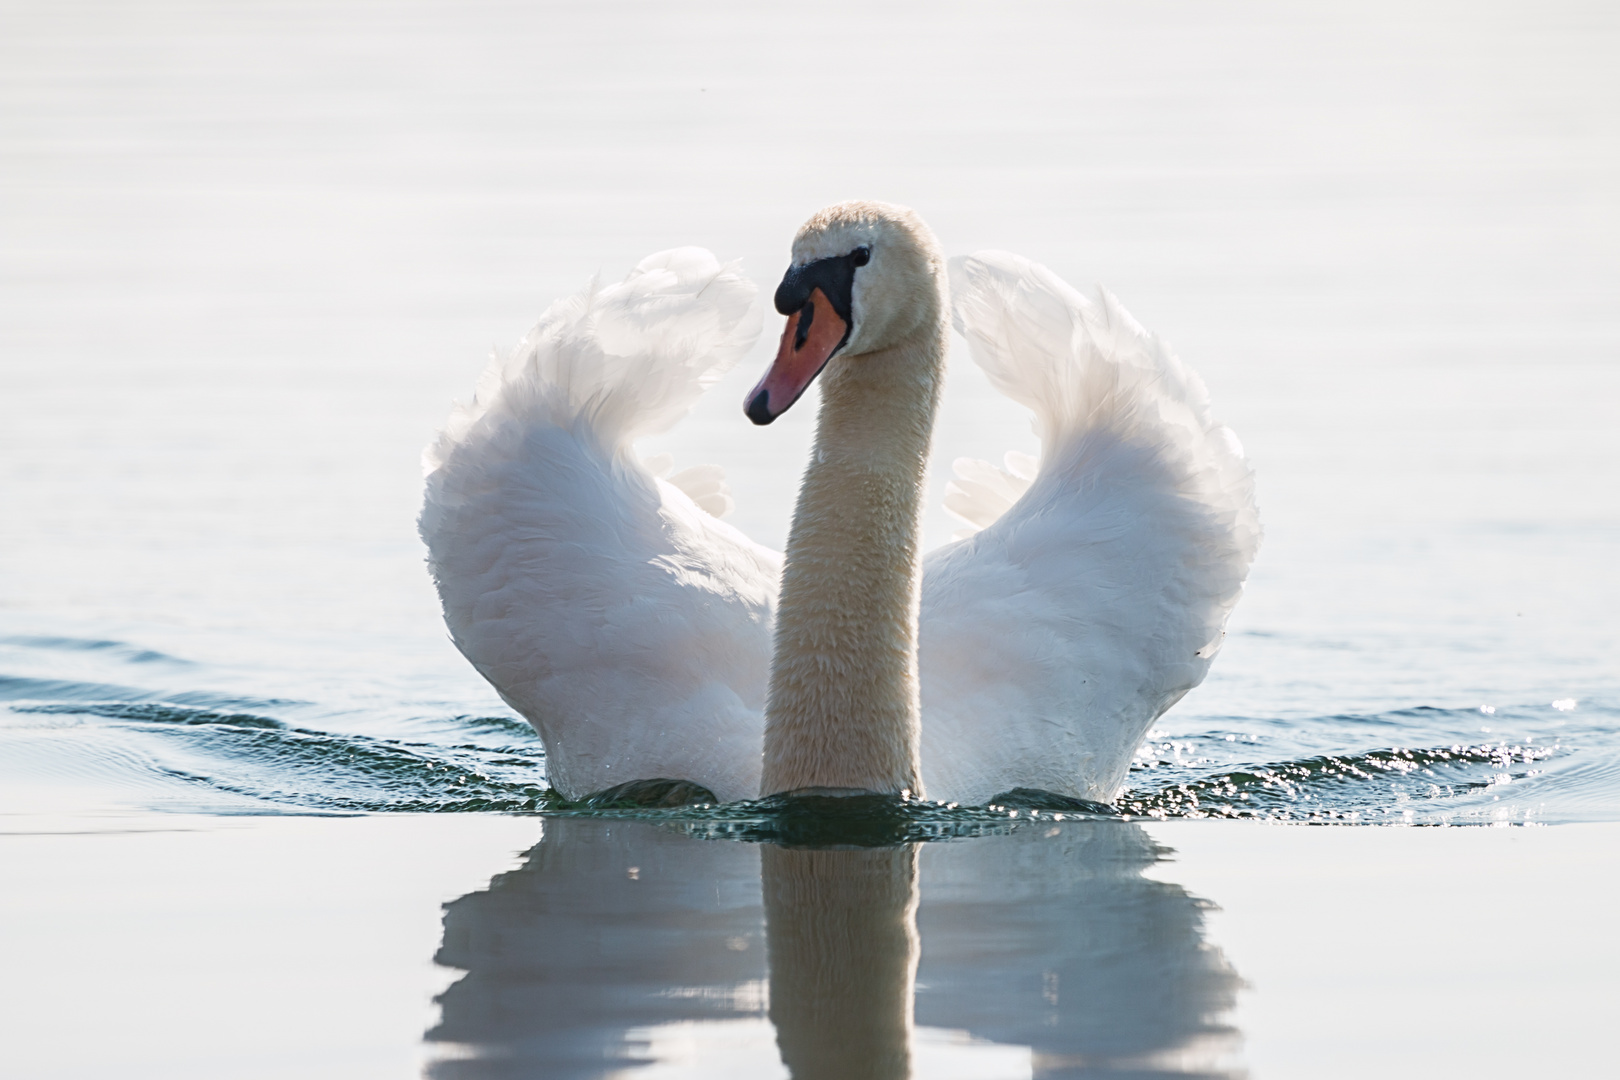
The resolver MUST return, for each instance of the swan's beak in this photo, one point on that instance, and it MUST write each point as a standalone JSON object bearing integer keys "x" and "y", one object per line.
{"x": 812, "y": 335}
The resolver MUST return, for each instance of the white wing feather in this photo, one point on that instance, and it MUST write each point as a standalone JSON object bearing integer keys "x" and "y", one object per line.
{"x": 982, "y": 492}
{"x": 625, "y": 622}
{"x": 1055, "y": 635}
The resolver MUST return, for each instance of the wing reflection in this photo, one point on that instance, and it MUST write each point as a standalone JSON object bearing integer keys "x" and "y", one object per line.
{"x": 624, "y": 948}
{"x": 1052, "y": 938}
{"x": 607, "y": 930}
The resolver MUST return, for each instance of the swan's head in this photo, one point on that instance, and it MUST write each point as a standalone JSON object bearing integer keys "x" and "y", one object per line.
{"x": 864, "y": 277}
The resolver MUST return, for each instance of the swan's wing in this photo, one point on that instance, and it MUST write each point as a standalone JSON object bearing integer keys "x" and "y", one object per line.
{"x": 627, "y": 624}
{"x": 1053, "y": 636}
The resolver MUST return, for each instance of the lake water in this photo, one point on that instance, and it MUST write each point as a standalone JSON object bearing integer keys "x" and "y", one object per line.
{"x": 252, "y": 251}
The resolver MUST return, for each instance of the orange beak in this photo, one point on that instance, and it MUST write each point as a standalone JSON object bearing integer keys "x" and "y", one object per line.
{"x": 812, "y": 335}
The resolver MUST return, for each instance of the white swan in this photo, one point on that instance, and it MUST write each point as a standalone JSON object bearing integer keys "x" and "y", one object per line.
{"x": 635, "y": 630}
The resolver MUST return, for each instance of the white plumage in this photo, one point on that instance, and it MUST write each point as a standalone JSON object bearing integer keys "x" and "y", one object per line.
{"x": 629, "y": 626}
{"x": 1054, "y": 636}
{"x": 633, "y": 628}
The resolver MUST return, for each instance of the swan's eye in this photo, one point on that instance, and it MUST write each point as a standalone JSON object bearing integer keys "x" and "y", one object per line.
{"x": 802, "y": 334}
{"x": 860, "y": 256}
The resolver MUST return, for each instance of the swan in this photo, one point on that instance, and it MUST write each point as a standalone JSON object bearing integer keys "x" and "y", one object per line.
{"x": 645, "y": 638}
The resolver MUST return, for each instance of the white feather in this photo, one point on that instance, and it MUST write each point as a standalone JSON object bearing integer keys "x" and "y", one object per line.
{"x": 982, "y": 492}
{"x": 626, "y": 623}
{"x": 1054, "y": 636}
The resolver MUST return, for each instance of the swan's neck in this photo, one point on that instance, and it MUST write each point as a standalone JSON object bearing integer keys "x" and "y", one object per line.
{"x": 842, "y": 711}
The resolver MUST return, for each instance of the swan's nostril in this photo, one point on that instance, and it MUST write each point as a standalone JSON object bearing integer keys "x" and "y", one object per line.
{"x": 759, "y": 408}
{"x": 802, "y": 332}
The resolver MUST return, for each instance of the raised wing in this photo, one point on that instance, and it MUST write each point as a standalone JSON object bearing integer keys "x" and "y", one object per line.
{"x": 1055, "y": 635}
{"x": 623, "y": 620}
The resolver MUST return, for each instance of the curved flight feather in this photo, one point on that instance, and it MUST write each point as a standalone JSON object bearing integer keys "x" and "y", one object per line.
{"x": 1095, "y": 591}
{"x": 606, "y": 605}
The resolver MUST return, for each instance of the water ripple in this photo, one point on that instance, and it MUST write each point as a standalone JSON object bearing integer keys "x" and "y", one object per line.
{"x": 216, "y": 752}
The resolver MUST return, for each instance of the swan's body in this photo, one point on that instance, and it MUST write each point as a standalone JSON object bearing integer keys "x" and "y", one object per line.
{"x": 635, "y": 631}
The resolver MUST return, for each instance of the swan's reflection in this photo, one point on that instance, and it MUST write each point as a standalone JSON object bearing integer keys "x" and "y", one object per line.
{"x": 630, "y": 949}
{"x": 842, "y": 932}
{"x": 1053, "y": 939}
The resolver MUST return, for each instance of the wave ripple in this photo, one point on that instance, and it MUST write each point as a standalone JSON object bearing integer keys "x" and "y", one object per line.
{"x": 192, "y": 749}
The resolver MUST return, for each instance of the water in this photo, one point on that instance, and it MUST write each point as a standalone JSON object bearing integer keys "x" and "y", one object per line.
{"x": 251, "y": 251}
{"x": 123, "y": 727}
{"x": 1085, "y": 949}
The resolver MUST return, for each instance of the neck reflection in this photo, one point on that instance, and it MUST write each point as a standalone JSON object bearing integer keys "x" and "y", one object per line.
{"x": 841, "y": 926}
{"x": 623, "y": 948}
